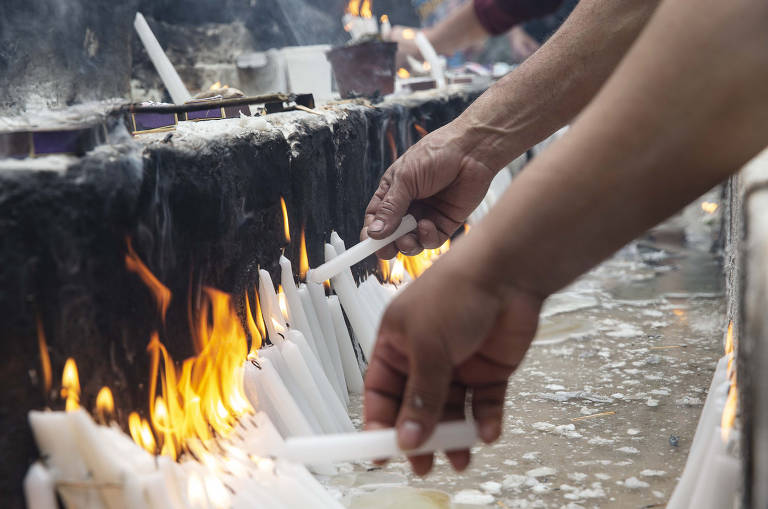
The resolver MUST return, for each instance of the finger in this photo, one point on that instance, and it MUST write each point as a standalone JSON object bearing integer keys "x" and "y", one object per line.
{"x": 409, "y": 244}
{"x": 454, "y": 411}
{"x": 384, "y": 383}
{"x": 488, "y": 409}
{"x": 395, "y": 196}
{"x": 428, "y": 236}
{"x": 426, "y": 391}
{"x": 421, "y": 465}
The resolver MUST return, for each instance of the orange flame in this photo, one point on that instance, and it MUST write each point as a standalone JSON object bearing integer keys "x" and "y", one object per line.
{"x": 392, "y": 145}
{"x": 281, "y": 300}
{"x": 403, "y": 73}
{"x": 105, "y": 405}
{"x": 729, "y": 412}
{"x": 466, "y": 228}
{"x": 729, "y": 339}
{"x": 286, "y": 227}
{"x": 70, "y": 385}
{"x": 385, "y": 270}
{"x": 253, "y": 328}
{"x": 355, "y": 8}
{"x": 303, "y": 259}
{"x": 384, "y": 18}
{"x": 709, "y": 207}
{"x": 416, "y": 265}
{"x": 161, "y": 293}
{"x": 408, "y": 34}
{"x": 397, "y": 274}
{"x": 419, "y": 129}
{"x": 45, "y": 359}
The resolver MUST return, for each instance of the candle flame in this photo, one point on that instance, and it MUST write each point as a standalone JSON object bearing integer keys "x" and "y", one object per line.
{"x": 397, "y": 274}
{"x": 281, "y": 300}
{"x": 385, "y": 270}
{"x": 45, "y": 359}
{"x": 729, "y": 339}
{"x": 409, "y": 34}
{"x": 286, "y": 227}
{"x": 709, "y": 207}
{"x": 384, "y": 18}
{"x": 253, "y": 329}
{"x": 303, "y": 258}
{"x": 392, "y": 144}
{"x": 105, "y": 404}
{"x": 403, "y": 73}
{"x": 217, "y": 86}
{"x": 466, "y": 228}
{"x": 365, "y": 9}
{"x": 356, "y": 8}
{"x": 70, "y": 385}
{"x": 419, "y": 129}
{"x": 327, "y": 284}
{"x": 729, "y": 412}
{"x": 416, "y": 265}
{"x": 426, "y": 66}
{"x": 161, "y": 292}
{"x": 277, "y": 325}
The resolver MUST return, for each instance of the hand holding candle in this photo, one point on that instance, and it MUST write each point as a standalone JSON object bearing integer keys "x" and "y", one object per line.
{"x": 428, "y": 358}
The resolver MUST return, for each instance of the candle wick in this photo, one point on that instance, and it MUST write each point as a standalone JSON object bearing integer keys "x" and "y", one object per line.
{"x": 256, "y": 363}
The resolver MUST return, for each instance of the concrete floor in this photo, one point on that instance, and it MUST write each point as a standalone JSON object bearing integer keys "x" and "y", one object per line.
{"x": 635, "y": 340}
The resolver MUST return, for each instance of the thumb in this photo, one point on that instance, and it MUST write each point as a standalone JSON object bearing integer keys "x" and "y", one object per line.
{"x": 394, "y": 200}
{"x": 425, "y": 395}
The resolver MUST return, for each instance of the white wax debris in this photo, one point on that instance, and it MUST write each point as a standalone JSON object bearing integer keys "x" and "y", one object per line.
{"x": 634, "y": 483}
{"x": 541, "y": 472}
{"x": 531, "y": 456}
{"x": 652, "y": 402}
{"x": 628, "y": 450}
{"x": 688, "y": 401}
{"x": 543, "y": 426}
{"x": 600, "y": 441}
{"x": 472, "y": 497}
{"x": 653, "y": 473}
{"x": 491, "y": 487}
{"x": 602, "y": 476}
{"x": 633, "y": 431}
{"x": 513, "y": 481}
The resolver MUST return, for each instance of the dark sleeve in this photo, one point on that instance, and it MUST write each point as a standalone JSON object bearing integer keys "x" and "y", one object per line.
{"x": 498, "y": 16}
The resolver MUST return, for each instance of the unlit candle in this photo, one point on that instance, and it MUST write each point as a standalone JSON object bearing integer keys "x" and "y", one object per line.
{"x": 171, "y": 80}
{"x": 375, "y": 444}
{"x": 359, "y": 252}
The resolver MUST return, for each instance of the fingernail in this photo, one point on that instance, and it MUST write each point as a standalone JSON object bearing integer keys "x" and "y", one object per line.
{"x": 489, "y": 431}
{"x": 376, "y": 226}
{"x": 409, "y": 435}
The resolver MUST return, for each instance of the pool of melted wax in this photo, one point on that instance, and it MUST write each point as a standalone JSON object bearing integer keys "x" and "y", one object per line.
{"x": 602, "y": 411}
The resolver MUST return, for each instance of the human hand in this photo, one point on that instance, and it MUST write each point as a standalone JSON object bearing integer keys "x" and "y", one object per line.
{"x": 521, "y": 43}
{"x": 448, "y": 336}
{"x": 406, "y": 45}
{"x": 439, "y": 181}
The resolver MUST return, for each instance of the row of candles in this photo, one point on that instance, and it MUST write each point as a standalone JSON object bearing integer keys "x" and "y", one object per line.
{"x": 298, "y": 388}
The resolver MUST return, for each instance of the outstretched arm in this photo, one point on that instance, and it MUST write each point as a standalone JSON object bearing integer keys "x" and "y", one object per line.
{"x": 685, "y": 109}
{"x": 444, "y": 176}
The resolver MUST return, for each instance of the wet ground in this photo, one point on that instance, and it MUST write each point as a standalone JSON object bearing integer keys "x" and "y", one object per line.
{"x": 603, "y": 410}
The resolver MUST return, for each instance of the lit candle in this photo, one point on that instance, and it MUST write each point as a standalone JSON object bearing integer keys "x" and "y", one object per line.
{"x": 296, "y": 316}
{"x": 345, "y": 288}
{"x": 386, "y": 27}
{"x": 359, "y": 252}
{"x": 375, "y": 444}
{"x": 328, "y": 351}
{"x": 39, "y": 489}
{"x": 338, "y": 244}
{"x": 270, "y": 307}
{"x": 719, "y": 477}
{"x": 321, "y": 381}
{"x": 55, "y": 439}
{"x": 352, "y": 373}
{"x": 320, "y": 305}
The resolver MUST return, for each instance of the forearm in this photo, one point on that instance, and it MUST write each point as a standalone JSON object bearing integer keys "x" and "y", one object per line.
{"x": 686, "y": 108}
{"x": 554, "y": 84}
{"x": 459, "y": 31}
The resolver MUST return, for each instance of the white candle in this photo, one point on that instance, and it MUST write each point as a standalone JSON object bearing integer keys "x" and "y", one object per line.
{"x": 270, "y": 308}
{"x": 324, "y": 354}
{"x": 386, "y": 28}
{"x": 430, "y": 55}
{"x": 300, "y": 371}
{"x": 335, "y": 376}
{"x": 375, "y": 444}
{"x": 171, "y": 80}
{"x": 320, "y": 306}
{"x": 39, "y": 489}
{"x": 276, "y": 358}
{"x": 274, "y": 399}
{"x": 352, "y": 373}
{"x": 718, "y": 479}
{"x": 296, "y": 316}
{"x": 157, "y": 493}
{"x": 360, "y": 252}
{"x": 55, "y": 439}
{"x": 330, "y": 398}
{"x": 359, "y": 318}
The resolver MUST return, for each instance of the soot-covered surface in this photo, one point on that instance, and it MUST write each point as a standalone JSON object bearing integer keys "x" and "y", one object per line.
{"x": 202, "y": 207}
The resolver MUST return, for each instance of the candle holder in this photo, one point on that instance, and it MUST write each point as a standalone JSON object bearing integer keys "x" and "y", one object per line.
{"x": 364, "y": 69}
